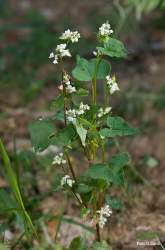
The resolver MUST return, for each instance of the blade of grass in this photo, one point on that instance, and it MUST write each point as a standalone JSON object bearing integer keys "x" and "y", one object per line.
{"x": 11, "y": 177}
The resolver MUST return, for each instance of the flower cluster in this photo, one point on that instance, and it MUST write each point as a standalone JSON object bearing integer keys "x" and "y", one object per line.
{"x": 60, "y": 51}
{"x": 73, "y": 36}
{"x": 69, "y": 88}
{"x": 73, "y": 113}
{"x": 104, "y": 213}
{"x": 59, "y": 159}
{"x": 112, "y": 84}
{"x": 105, "y": 30}
{"x": 67, "y": 180}
{"x": 103, "y": 112}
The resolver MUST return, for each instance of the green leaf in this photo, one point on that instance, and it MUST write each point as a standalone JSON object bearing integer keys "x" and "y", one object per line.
{"x": 119, "y": 161}
{"x": 40, "y": 131}
{"x": 78, "y": 244}
{"x": 100, "y": 172}
{"x": 57, "y": 103}
{"x": 64, "y": 137}
{"x": 83, "y": 188}
{"x": 85, "y": 70}
{"x": 103, "y": 68}
{"x": 81, "y": 71}
{"x": 82, "y": 132}
{"x": 114, "y": 203}
{"x": 113, "y": 48}
{"x": 59, "y": 116}
{"x": 101, "y": 246}
{"x": 82, "y": 92}
{"x": 6, "y": 201}
{"x": 116, "y": 166}
{"x": 106, "y": 132}
{"x": 118, "y": 127}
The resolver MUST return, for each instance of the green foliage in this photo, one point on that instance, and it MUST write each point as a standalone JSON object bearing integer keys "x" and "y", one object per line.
{"x": 11, "y": 177}
{"x": 85, "y": 70}
{"x": 117, "y": 127}
{"x": 78, "y": 244}
{"x": 100, "y": 172}
{"x": 40, "y": 132}
{"x": 86, "y": 129}
{"x": 119, "y": 161}
{"x": 6, "y": 201}
{"x": 64, "y": 137}
{"x": 82, "y": 132}
{"x": 114, "y": 203}
{"x": 57, "y": 103}
{"x": 111, "y": 173}
{"x": 113, "y": 48}
{"x": 101, "y": 246}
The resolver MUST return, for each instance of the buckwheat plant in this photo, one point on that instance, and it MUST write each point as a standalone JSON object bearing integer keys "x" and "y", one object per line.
{"x": 87, "y": 126}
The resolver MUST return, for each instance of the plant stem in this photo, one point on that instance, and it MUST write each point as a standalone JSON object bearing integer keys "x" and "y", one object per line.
{"x": 77, "y": 198}
{"x": 64, "y": 91}
{"x": 70, "y": 166}
{"x": 98, "y": 232}
{"x": 94, "y": 80}
{"x": 65, "y": 100}
{"x": 105, "y": 95}
{"x": 102, "y": 152}
{"x": 94, "y": 90}
{"x": 65, "y": 108}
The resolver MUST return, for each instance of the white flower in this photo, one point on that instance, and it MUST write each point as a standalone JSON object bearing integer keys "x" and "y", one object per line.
{"x": 70, "y": 35}
{"x": 62, "y": 51}
{"x": 104, "y": 213}
{"x": 105, "y": 30}
{"x": 72, "y": 114}
{"x": 69, "y": 88}
{"x": 59, "y": 159}
{"x": 95, "y": 53}
{"x": 84, "y": 106}
{"x": 66, "y": 180}
{"x": 112, "y": 84}
{"x": 103, "y": 112}
{"x": 55, "y": 61}
{"x": 51, "y": 55}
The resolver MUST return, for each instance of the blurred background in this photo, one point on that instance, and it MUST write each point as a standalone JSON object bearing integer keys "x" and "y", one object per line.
{"x": 28, "y": 83}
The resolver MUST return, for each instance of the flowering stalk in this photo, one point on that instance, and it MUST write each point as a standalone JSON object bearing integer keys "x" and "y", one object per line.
{"x": 89, "y": 126}
{"x": 94, "y": 80}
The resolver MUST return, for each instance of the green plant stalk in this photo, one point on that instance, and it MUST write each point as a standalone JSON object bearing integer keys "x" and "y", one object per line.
{"x": 106, "y": 99}
{"x": 16, "y": 163}
{"x": 65, "y": 123}
{"x": 94, "y": 99}
{"x": 70, "y": 166}
{"x": 73, "y": 174}
{"x": 94, "y": 81}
